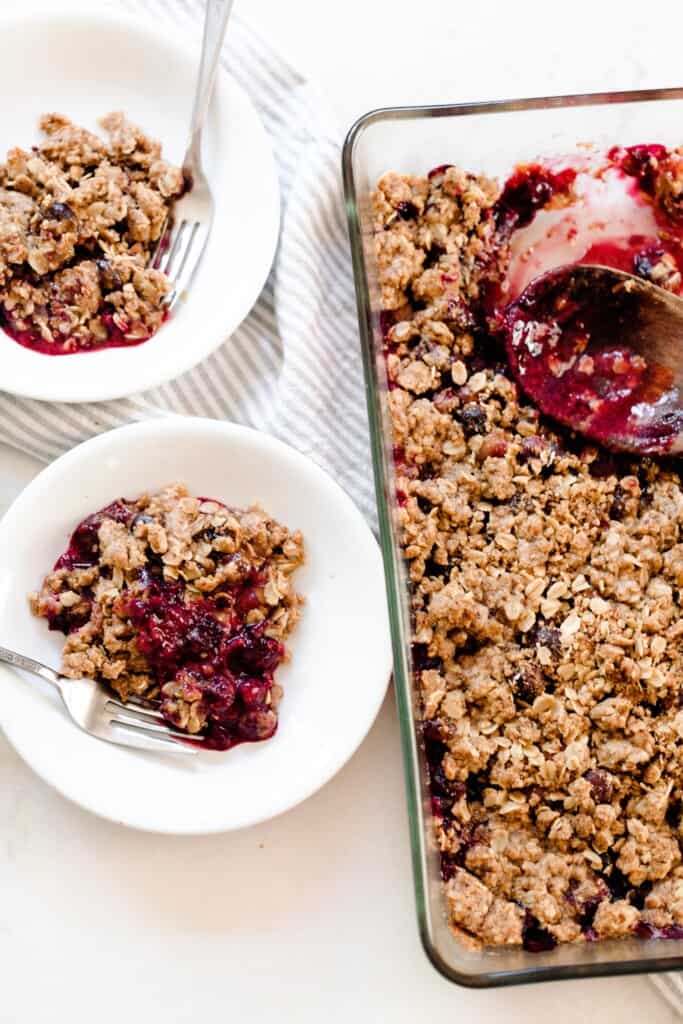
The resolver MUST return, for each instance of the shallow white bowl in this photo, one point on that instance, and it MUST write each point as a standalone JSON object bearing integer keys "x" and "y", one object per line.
{"x": 82, "y": 62}
{"x": 341, "y": 658}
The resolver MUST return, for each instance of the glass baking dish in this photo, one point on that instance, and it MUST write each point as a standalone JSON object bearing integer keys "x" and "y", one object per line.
{"x": 485, "y": 138}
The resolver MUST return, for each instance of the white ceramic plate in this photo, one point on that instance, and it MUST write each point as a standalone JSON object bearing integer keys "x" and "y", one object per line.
{"x": 84, "y": 62}
{"x": 341, "y": 658}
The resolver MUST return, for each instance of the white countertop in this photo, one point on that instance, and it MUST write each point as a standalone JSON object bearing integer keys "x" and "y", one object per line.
{"x": 310, "y": 916}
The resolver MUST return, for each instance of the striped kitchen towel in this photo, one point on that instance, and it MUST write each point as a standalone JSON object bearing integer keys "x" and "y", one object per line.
{"x": 670, "y": 986}
{"x": 293, "y": 368}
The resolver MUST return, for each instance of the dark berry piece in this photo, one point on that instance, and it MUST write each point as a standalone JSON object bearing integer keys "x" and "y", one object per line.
{"x": 639, "y": 896}
{"x": 536, "y": 938}
{"x": 448, "y": 867}
{"x": 422, "y": 659}
{"x": 407, "y": 211}
{"x": 437, "y": 171}
{"x": 188, "y": 183}
{"x": 257, "y": 725}
{"x": 475, "y": 786}
{"x": 617, "y": 883}
{"x": 532, "y": 448}
{"x": 618, "y": 506}
{"x": 528, "y": 190}
{"x": 141, "y": 518}
{"x": 386, "y": 322}
{"x": 527, "y": 684}
{"x": 432, "y": 730}
{"x": 602, "y": 785}
{"x": 673, "y": 813}
{"x": 436, "y": 570}
{"x": 644, "y": 262}
{"x": 253, "y": 693}
{"x": 443, "y": 787}
{"x": 588, "y": 912}
{"x": 434, "y": 253}
{"x": 473, "y": 419}
{"x": 61, "y": 211}
{"x": 648, "y": 931}
{"x": 641, "y": 162}
{"x": 547, "y": 636}
{"x": 110, "y": 280}
{"x": 219, "y": 694}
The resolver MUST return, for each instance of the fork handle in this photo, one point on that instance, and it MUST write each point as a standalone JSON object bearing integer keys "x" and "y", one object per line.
{"x": 215, "y": 24}
{"x": 29, "y": 665}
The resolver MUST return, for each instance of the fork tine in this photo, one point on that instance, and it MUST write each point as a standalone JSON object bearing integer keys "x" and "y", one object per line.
{"x": 175, "y": 248}
{"x": 139, "y": 709}
{"x": 185, "y": 272}
{"x": 132, "y": 718}
{"x": 145, "y": 702}
{"x": 180, "y": 260}
{"x": 170, "y": 241}
{"x": 143, "y": 738}
{"x": 188, "y": 246}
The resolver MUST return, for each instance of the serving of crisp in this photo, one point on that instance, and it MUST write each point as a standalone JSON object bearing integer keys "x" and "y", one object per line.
{"x": 183, "y": 601}
{"x": 80, "y": 219}
{"x": 546, "y": 582}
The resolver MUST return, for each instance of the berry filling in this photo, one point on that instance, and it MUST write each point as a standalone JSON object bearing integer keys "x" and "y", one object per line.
{"x": 225, "y": 664}
{"x": 641, "y": 162}
{"x": 536, "y": 938}
{"x": 648, "y": 931}
{"x": 530, "y": 189}
{"x": 563, "y": 339}
{"x": 125, "y": 336}
{"x": 84, "y": 548}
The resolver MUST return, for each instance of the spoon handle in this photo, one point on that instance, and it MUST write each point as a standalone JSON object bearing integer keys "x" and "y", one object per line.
{"x": 29, "y": 665}
{"x": 215, "y": 24}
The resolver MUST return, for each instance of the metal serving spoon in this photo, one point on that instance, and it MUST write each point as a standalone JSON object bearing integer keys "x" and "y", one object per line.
{"x": 601, "y": 351}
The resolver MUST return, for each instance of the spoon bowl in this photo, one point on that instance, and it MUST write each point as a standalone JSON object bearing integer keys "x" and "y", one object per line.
{"x": 601, "y": 351}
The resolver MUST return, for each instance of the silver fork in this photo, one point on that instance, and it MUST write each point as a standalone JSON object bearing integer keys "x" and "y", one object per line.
{"x": 105, "y": 717}
{"x": 185, "y": 234}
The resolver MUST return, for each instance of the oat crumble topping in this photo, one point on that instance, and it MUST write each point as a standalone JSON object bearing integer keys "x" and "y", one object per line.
{"x": 79, "y": 221}
{"x": 545, "y": 582}
{"x": 183, "y": 600}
